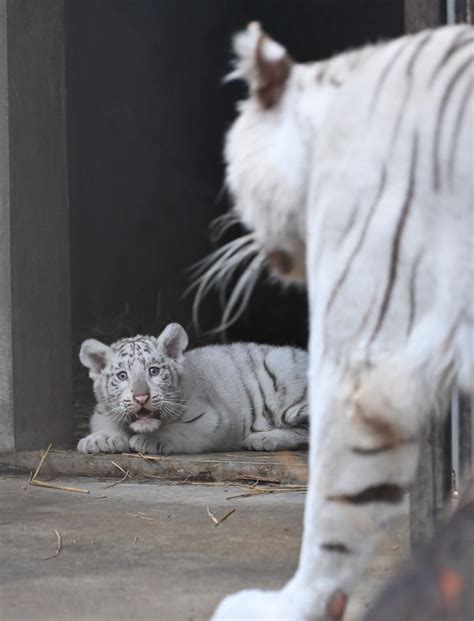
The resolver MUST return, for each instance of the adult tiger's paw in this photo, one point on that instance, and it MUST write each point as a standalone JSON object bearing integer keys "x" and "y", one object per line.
{"x": 253, "y": 605}
{"x": 103, "y": 442}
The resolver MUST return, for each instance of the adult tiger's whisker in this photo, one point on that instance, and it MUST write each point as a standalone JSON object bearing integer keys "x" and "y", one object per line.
{"x": 222, "y": 223}
{"x": 214, "y": 267}
{"x": 202, "y": 266}
{"x": 243, "y": 290}
{"x": 218, "y": 269}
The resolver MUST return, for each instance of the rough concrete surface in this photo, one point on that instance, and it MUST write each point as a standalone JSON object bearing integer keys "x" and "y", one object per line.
{"x": 286, "y": 466}
{"x": 150, "y": 550}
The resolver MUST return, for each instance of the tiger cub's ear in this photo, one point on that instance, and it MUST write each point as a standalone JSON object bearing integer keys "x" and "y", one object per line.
{"x": 93, "y": 355}
{"x": 263, "y": 63}
{"x": 174, "y": 340}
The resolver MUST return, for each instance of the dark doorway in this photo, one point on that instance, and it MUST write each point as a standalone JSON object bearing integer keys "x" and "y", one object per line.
{"x": 146, "y": 118}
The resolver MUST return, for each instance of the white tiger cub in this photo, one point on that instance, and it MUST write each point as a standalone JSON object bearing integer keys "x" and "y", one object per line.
{"x": 356, "y": 176}
{"x": 154, "y": 398}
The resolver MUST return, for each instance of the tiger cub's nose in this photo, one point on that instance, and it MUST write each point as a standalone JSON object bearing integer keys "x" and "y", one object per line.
{"x": 141, "y": 399}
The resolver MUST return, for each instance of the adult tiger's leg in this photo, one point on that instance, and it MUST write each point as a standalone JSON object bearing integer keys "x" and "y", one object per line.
{"x": 360, "y": 467}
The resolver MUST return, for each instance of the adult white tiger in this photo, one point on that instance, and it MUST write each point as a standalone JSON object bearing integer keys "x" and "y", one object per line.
{"x": 358, "y": 172}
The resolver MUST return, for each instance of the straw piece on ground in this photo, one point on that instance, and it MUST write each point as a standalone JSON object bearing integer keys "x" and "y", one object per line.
{"x": 224, "y": 517}
{"x": 121, "y": 469}
{"x": 212, "y": 516}
{"x": 43, "y": 457}
{"x": 211, "y": 483}
{"x": 248, "y": 495}
{"x": 218, "y": 521}
{"x": 258, "y": 492}
{"x": 125, "y": 476}
{"x": 149, "y": 458}
{"x": 59, "y": 545}
{"x": 33, "y": 480}
{"x": 259, "y": 479}
{"x": 62, "y": 488}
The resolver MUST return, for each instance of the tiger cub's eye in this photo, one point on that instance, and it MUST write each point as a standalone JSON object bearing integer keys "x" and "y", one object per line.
{"x": 122, "y": 375}
{"x": 154, "y": 371}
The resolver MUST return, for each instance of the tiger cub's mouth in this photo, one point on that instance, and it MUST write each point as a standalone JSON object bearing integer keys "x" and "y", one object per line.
{"x": 144, "y": 414}
{"x": 145, "y": 421}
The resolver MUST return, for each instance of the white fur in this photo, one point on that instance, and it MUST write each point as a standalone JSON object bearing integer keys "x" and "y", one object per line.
{"x": 214, "y": 398}
{"x": 245, "y": 44}
{"x": 355, "y": 173}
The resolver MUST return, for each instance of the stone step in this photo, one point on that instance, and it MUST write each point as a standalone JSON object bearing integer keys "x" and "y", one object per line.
{"x": 281, "y": 467}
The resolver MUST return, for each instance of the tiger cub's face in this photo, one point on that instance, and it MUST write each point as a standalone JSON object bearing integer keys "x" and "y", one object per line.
{"x": 268, "y": 150}
{"x": 136, "y": 380}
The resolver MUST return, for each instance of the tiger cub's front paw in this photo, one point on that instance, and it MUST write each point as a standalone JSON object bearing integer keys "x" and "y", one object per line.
{"x": 144, "y": 443}
{"x": 151, "y": 444}
{"x": 261, "y": 441}
{"x": 103, "y": 442}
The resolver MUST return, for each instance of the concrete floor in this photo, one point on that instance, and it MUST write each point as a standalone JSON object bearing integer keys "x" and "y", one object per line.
{"x": 150, "y": 550}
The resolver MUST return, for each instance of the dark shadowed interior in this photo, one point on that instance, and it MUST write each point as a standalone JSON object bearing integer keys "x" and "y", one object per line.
{"x": 146, "y": 117}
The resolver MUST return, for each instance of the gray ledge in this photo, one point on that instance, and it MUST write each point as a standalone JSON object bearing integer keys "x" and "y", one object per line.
{"x": 284, "y": 467}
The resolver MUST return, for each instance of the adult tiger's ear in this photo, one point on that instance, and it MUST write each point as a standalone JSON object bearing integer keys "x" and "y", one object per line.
{"x": 174, "y": 341}
{"x": 263, "y": 63}
{"x": 93, "y": 355}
